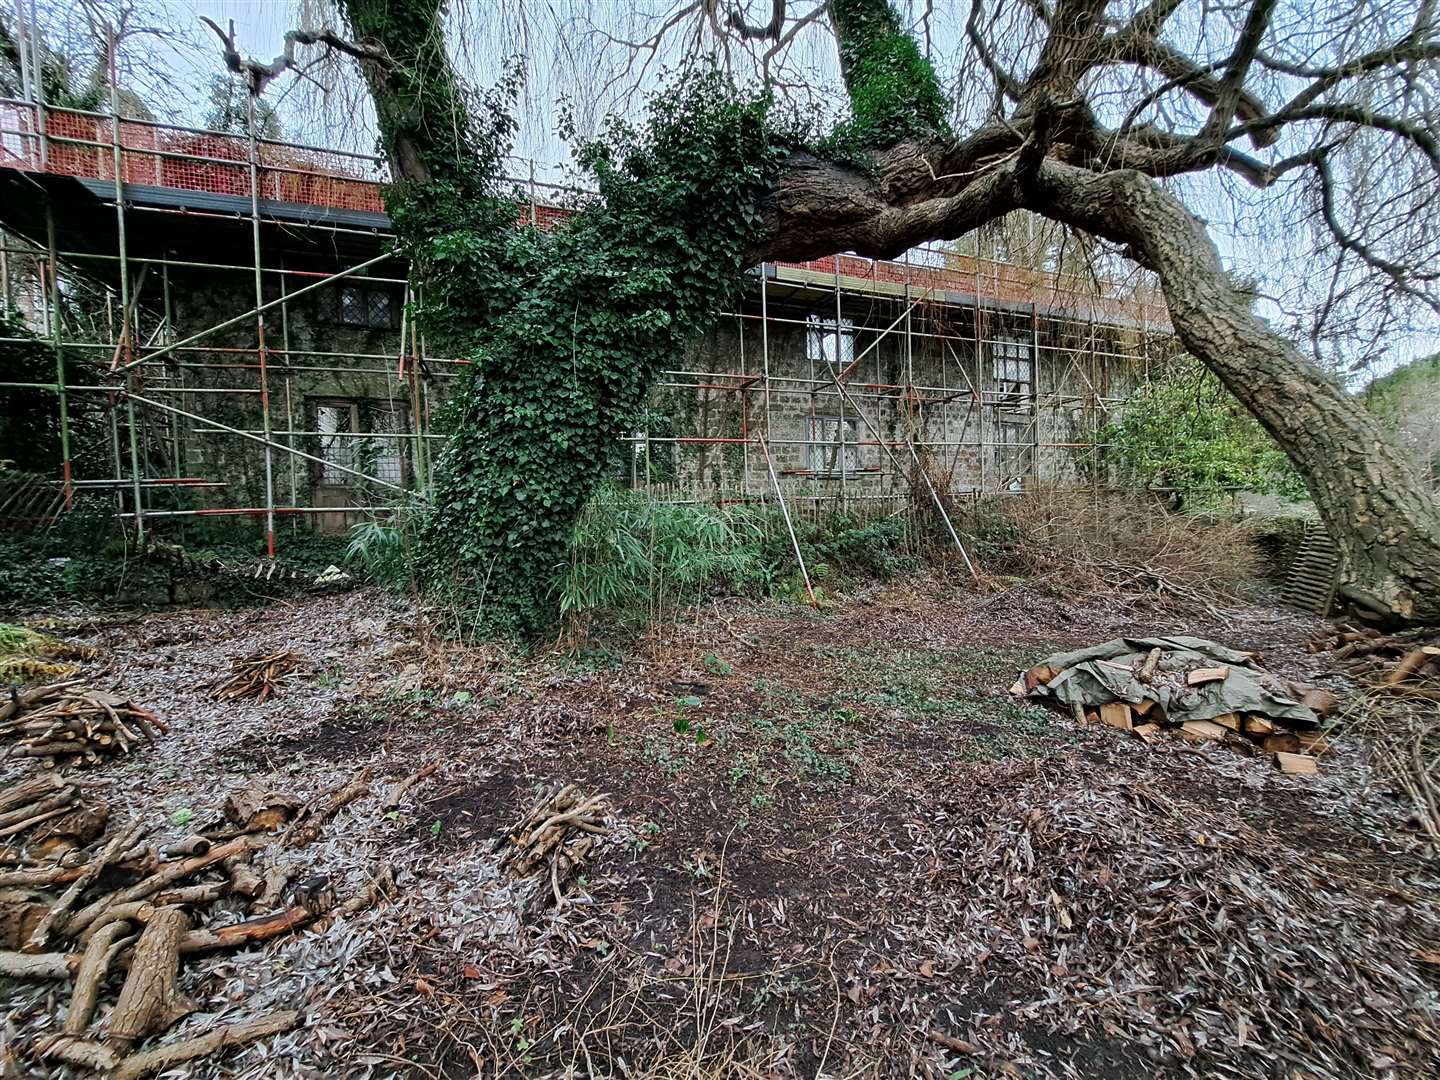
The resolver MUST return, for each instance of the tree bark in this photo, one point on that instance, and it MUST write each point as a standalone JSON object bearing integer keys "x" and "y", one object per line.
{"x": 1385, "y": 524}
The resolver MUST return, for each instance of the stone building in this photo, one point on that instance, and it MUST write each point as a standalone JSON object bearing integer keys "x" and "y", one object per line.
{"x": 243, "y": 323}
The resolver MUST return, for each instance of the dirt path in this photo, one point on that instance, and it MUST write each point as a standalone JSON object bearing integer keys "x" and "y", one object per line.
{"x": 838, "y": 847}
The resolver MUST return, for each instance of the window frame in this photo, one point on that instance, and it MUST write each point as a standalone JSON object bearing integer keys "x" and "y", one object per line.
{"x": 1005, "y": 352}
{"x": 365, "y": 297}
{"x": 358, "y": 442}
{"x": 817, "y": 449}
{"x": 824, "y": 336}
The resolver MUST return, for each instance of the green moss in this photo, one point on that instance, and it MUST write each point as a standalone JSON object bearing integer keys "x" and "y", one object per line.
{"x": 894, "y": 94}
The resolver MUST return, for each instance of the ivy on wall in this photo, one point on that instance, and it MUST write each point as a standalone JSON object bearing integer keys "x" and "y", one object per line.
{"x": 566, "y": 330}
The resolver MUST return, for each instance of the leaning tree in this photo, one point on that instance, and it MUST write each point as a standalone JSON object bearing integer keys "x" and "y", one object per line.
{"x": 1102, "y": 116}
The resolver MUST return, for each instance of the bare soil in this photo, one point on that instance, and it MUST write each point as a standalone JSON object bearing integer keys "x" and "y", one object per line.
{"x": 874, "y": 861}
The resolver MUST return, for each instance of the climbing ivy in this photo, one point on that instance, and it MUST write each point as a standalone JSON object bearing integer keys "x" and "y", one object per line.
{"x": 894, "y": 94}
{"x": 565, "y": 330}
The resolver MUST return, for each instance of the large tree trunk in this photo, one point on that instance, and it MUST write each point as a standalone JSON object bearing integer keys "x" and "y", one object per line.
{"x": 1386, "y": 525}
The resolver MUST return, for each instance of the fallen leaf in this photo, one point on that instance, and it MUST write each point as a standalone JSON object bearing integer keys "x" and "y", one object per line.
{"x": 470, "y": 971}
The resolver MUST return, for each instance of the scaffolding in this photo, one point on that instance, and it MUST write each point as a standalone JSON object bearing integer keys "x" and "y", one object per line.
{"x": 935, "y": 375}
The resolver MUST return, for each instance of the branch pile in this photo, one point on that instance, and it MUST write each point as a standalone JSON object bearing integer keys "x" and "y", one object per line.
{"x": 115, "y": 910}
{"x": 1406, "y": 663}
{"x": 67, "y": 724}
{"x": 550, "y": 842}
{"x": 255, "y": 677}
{"x": 1202, "y": 691}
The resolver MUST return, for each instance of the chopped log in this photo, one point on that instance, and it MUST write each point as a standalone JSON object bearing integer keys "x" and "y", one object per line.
{"x": 397, "y": 791}
{"x": 118, "y": 843}
{"x": 253, "y": 809}
{"x": 243, "y": 878}
{"x": 1230, "y": 721}
{"x": 312, "y": 818}
{"x": 21, "y": 826}
{"x": 194, "y": 844}
{"x": 1143, "y": 706}
{"x": 1037, "y": 676}
{"x": 167, "y": 875}
{"x": 212, "y": 1042}
{"x": 1201, "y": 676}
{"x": 1092, "y": 716}
{"x": 62, "y": 798}
{"x": 1148, "y": 668}
{"x": 1117, "y": 715}
{"x": 1202, "y": 731}
{"x": 248, "y": 932}
{"x": 276, "y": 879}
{"x": 76, "y": 1051}
{"x": 1148, "y": 732}
{"x": 1409, "y": 664}
{"x": 1296, "y": 764}
{"x": 1259, "y": 726}
{"x": 94, "y": 966}
{"x": 73, "y": 831}
{"x": 1312, "y": 742}
{"x": 1018, "y": 687}
{"x": 16, "y": 965}
{"x": 20, "y": 912}
{"x": 1282, "y": 742}
{"x": 148, "y": 1002}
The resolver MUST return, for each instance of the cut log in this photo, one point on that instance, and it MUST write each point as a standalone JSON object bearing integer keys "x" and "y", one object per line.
{"x": 1409, "y": 664}
{"x": 1296, "y": 764}
{"x": 253, "y": 809}
{"x": 312, "y": 818}
{"x": 1230, "y": 721}
{"x": 61, "y": 911}
{"x": 94, "y": 966}
{"x": 160, "y": 1058}
{"x": 1149, "y": 667}
{"x": 75, "y": 1051}
{"x": 1282, "y": 742}
{"x": 15, "y": 965}
{"x": 397, "y": 791}
{"x": 1201, "y": 676}
{"x": 1202, "y": 731}
{"x": 1148, "y": 732}
{"x": 186, "y": 846}
{"x": 1312, "y": 742}
{"x": 61, "y": 799}
{"x": 21, "y": 911}
{"x": 167, "y": 875}
{"x": 1117, "y": 715}
{"x": 243, "y": 878}
{"x": 1259, "y": 726}
{"x": 1143, "y": 707}
{"x": 148, "y": 1003}
{"x": 1018, "y": 687}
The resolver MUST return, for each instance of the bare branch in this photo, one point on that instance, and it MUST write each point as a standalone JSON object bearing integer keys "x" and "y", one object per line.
{"x": 259, "y": 75}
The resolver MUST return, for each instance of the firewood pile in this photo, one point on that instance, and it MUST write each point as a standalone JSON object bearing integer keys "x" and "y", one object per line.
{"x": 1403, "y": 663}
{"x": 103, "y": 906}
{"x": 67, "y": 724}
{"x": 256, "y": 677}
{"x": 550, "y": 842}
{"x": 1196, "y": 689}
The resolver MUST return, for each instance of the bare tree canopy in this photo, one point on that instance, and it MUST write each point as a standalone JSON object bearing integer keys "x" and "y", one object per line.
{"x": 1127, "y": 121}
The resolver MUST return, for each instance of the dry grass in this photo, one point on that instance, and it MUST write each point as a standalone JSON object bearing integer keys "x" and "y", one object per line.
{"x": 1107, "y": 541}
{"x": 1402, "y": 733}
